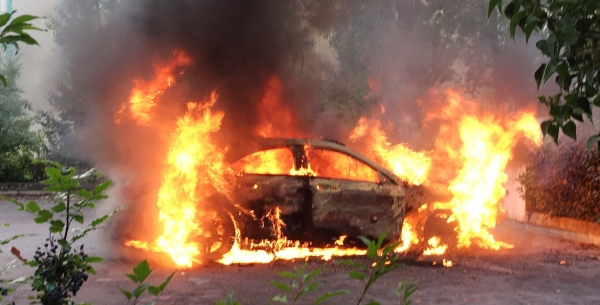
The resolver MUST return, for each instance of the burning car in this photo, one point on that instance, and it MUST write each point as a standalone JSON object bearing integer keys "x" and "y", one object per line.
{"x": 307, "y": 191}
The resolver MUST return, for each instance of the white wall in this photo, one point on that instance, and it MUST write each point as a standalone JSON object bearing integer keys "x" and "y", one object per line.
{"x": 514, "y": 205}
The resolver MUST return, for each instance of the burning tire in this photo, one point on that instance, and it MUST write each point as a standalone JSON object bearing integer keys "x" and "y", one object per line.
{"x": 437, "y": 225}
{"x": 221, "y": 237}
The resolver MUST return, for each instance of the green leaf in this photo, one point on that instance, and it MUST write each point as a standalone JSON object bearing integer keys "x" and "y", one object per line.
{"x": 59, "y": 207}
{"x": 43, "y": 216}
{"x": 570, "y": 130}
{"x": 309, "y": 288}
{"x": 539, "y": 75}
{"x": 553, "y": 130}
{"x": 307, "y": 277}
{"x": 373, "y": 303}
{"x": 491, "y": 6}
{"x": 137, "y": 292}
{"x": 4, "y": 18}
{"x": 32, "y": 207}
{"x": 584, "y": 104}
{"x": 99, "y": 220}
{"x": 3, "y": 80}
{"x": 94, "y": 259}
{"x": 142, "y": 271}
{"x": 77, "y": 217}
{"x": 127, "y": 294}
{"x": 133, "y": 278}
{"x": 23, "y": 19}
{"x": 53, "y": 173}
{"x": 84, "y": 193}
{"x": 154, "y": 290}
{"x": 65, "y": 244}
{"x": 328, "y": 295}
{"x": 372, "y": 251}
{"x": 550, "y": 69}
{"x": 280, "y": 286}
{"x": 166, "y": 282}
{"x": 532, "y": 22}
{"x": 544, "y": 126}
{"x": 287, "y": 274}
{"x": 514, "y": 22}
{"x": 356, "y": 275}
{"x": 279, "y": 298}
{"x": 102, "y": 187}
{"x": 57, "y": 226}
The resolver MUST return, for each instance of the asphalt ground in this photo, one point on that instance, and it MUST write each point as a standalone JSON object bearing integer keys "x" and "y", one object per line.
{"x": 540, "y": 269}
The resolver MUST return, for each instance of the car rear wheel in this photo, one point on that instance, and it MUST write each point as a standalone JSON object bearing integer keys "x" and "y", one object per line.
{"x": 220, "y": 236}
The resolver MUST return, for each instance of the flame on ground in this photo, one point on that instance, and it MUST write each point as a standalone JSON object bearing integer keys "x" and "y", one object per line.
{"x": 281, "y": 248}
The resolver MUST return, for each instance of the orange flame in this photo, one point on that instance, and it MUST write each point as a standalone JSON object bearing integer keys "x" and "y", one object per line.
{"x": 435, "y": 247}
{"x": 195, "y": 171}
{"x": 407, "y": 164}
{"x": 276, "y": 120}
{"x": 485, "y": 142}
{"x": 145, "y": 94}
{"x": 281, "y": 248}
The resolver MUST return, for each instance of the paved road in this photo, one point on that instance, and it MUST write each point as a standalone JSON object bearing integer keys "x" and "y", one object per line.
{"x": 539, "y": 270}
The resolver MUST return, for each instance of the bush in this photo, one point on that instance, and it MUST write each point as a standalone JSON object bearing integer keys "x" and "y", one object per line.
{"x": 563, "y": 181}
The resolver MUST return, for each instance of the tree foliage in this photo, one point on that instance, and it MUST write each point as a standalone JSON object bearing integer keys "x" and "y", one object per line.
{"x": 19, "y": 145}
{"x": 571, "y": 42}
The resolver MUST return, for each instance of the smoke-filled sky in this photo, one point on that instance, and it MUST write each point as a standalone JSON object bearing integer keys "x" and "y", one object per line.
{"x": 41, "y": 63}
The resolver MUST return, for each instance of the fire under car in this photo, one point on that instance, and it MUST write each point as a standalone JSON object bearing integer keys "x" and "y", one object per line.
{"x": 310, "y": 191}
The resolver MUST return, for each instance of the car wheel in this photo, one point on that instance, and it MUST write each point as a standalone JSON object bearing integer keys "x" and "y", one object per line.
{"x": 220, "y": 237}
{"x": 437, "y": 225}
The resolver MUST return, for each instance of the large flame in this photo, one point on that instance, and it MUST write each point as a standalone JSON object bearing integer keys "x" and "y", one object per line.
{"x": 407, "y": 164}
{"x": 485, "y": 140}
{"x": 473, "y": 146}
{"x": 195, "y": 171}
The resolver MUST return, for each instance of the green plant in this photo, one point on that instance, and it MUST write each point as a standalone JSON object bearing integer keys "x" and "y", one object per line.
{"x": 405, "y": 290}
{"x": 14, "y": 32}
{"x": 140, "y": 272}
{"x": 61, "y": 268}
{"x": 383, "y": 261}
{"x": 570, "y": 33}
{"x": 562, "y": 181}
{"x": 301, "y": 283}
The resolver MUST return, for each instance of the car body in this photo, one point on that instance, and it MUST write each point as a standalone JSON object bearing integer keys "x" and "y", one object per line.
{"x": 320, "y": 189}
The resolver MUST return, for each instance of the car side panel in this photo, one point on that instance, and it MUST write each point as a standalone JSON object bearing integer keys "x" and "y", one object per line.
{"x": 357, "y": 208}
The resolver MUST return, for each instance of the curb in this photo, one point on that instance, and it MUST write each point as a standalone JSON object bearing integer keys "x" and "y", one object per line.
{"x": 561, "y": 227}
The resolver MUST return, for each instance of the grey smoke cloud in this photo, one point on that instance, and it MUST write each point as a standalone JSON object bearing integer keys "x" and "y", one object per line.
{"x": 41, "y": 64}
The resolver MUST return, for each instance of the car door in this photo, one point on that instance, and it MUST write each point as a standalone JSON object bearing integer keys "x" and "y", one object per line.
{"x": 353, "y": 198}
{"x": 264, "y": 183}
